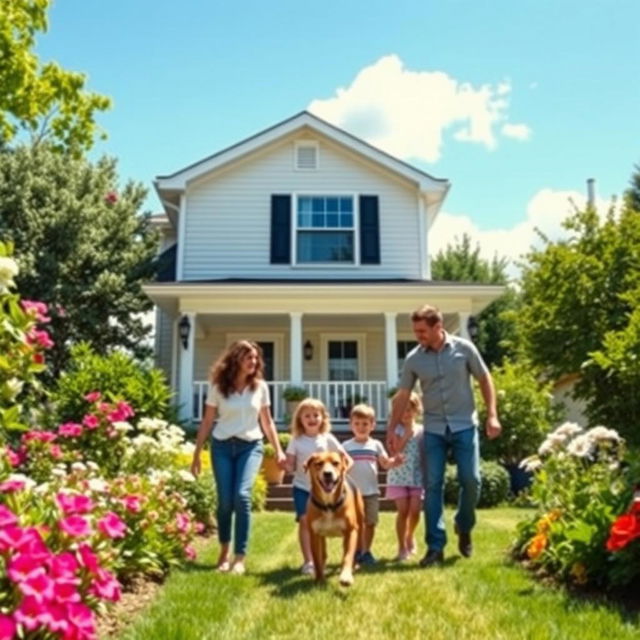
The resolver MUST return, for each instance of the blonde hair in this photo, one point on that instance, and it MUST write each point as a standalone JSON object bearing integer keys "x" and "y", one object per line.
{"x": 415, "y": 402}
{"x": 363, "y": 411}
{"x": 297, "y": 428}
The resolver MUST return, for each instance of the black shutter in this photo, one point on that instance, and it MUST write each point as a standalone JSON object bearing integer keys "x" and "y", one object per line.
{"x": 280, "y": 229}
{"x": 369, "y": 230}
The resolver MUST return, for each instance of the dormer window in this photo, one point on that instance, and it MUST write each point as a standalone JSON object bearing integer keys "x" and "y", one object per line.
{"x": 306, "y": 155}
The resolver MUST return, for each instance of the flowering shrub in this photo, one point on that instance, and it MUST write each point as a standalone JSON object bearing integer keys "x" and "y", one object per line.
{"x": 580, "y": 486}
{"x": 22, "y": 347}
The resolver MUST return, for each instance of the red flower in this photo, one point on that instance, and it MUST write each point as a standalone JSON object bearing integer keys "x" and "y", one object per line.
{"x": 111, "y": 197}
{"x": 625, "y": 529}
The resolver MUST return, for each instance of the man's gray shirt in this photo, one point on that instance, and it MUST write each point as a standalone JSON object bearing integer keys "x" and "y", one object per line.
{"x": 445, "y": 379}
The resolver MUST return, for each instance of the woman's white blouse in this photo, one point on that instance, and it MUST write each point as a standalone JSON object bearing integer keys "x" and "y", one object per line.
{"x": 238, "y": 414}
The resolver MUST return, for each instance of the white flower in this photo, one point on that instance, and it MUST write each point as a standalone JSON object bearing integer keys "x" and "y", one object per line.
{"x": 98, "y": 485}
{"x": 29, "y": 483}
{"x": 151, "y": 424}
{"x": 568, "y": 430}
{"x": 93, "y": 466}
{"x": 8, "y": 270}
{"x": 582, "y": 446}
{"x": 188, "y": 448}
{"x": 530, "y": 464}
{"x": 122, "y": 427}
{"x": 58, "y": 472}
{"x": 80, "y": 467}
{"x": 43, "y": 489}
{"x": 13, "y": 387}
{"x": 599, "y": 434}
{"x": 187, "y": 476}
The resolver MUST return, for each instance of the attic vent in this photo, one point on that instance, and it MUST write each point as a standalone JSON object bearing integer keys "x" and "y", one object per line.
{"x": 307, "y": 156}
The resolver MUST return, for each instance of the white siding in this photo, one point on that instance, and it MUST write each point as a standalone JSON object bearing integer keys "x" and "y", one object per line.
{"x": 228, "y": 217}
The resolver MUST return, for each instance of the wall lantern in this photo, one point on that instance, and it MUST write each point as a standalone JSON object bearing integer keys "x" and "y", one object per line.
{"x": 184, "y": 327}
{"x": 308, "y": 350}
{"x": 473, "y": 328}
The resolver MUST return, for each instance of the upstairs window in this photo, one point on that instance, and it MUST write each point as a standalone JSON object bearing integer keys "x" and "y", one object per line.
{"x": 325, "y": 229}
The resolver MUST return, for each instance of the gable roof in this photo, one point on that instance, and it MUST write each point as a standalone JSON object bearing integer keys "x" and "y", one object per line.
{"x": 178, "y": 181}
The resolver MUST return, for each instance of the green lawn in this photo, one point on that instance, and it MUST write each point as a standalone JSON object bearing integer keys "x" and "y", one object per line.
{"x": 483, "y": 597}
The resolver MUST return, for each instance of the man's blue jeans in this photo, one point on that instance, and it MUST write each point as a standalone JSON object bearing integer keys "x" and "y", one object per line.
{"x": 466, "y": 454}
{"x": 235, "y": 466}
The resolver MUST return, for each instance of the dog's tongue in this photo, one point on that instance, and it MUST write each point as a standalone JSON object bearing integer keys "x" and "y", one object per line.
{"x": 327, "y": 485}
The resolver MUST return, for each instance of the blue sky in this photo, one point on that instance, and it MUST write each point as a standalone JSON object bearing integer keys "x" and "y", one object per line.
{"x": 516, "y": 103}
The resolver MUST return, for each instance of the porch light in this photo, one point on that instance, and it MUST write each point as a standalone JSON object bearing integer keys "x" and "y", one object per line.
{"x": 473, "y": 328}
{"x": 308, "y": 350}
{"x": 184, "y": 327}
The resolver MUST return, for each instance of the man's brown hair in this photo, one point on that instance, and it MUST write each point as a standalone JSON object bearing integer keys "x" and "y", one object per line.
{"x": 431, "y": 315}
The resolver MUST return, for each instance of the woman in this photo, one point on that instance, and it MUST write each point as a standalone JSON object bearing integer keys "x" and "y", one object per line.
{"x": 238, "y": 403}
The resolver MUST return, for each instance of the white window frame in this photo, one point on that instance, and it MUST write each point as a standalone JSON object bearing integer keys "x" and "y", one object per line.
{"x": 278, "y": 343}
{"x": 294, "y": 230}
{"x": 305, "y": 143}
{"x": 359, "y": 338}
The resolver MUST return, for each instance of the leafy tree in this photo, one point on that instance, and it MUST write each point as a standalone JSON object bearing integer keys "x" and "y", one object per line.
{"x": 82, "y": 247}
{"x": 42, "y": 99}
{"x": 462, "y": 263}
{"x": 633, "y": 192}
{"x": 579, "y": 313}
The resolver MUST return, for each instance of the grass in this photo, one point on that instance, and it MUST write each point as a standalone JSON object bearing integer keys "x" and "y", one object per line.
{"x": 482, "y": 597}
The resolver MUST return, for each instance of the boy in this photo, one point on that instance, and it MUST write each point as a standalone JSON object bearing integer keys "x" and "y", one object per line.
{"x": 367, "y": 453}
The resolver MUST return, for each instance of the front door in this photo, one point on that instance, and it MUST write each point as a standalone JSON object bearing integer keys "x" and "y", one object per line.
{"x": 267, "y": 356}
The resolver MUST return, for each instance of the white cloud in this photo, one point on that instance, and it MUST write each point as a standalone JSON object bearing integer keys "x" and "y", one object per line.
{"x": 516, "y": 131}
{"x": 545, "y": 211}
{"x": 406, "y": 112}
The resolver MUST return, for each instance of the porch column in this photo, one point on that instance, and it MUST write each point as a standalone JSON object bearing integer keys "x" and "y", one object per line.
{"x": 391, "y": 348}
{"x": 185, "y": 374}
{"x": 295, "y": 347}
{"x": 463, "y": 330}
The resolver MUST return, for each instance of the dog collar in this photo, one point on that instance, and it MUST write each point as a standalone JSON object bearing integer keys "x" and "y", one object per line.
{"x": 329, "y": 507}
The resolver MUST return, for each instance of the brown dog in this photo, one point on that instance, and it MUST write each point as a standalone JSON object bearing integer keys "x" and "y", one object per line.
{"x": 335, "y": 509}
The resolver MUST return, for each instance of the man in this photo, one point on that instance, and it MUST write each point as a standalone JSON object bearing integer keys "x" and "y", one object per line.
{"x": 444, "y": 363}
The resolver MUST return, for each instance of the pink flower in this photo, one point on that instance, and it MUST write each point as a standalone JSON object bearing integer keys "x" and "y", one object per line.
{"x": 13, "y": 458}
{"x": 111, "y": 197}
{"x": 70, "y": 429}
{"x": 75, "y": 526}
{"x": 32, "y": 544}
{"x": 22, "y": 565}
{"x": 90, "y": 421}
{"x": 37, "y": 585}
{"x": 9, "y": 486}
{"x": 126, "y": 409}
{"x": 132, "y": 503}
{"x": 106, "y": 586}
{"x": 40, "y": 337}
{"x": 63, "y": 565}
{"x": 56, "y": 452}
{"x": 199, "y": 527}
{"x": 7, "y": 516}
{"x": 112, "y": 526}
{"x": 190, "y": 552}
{"x": 11, "y": 537}
{"x": 41, "y": 436}
{"x": 28, "y": 613}
{"x": 7, "y": 627}
{"x": 66, "y": 590}
{"x": 82, "y": 618}
{"x": 38, "y": 310}
{"x": 183, "y": 521}
{"x": 93, "y": 396}
{"x": 88, "y": 559}
{"x": 72, "y": 503}
{"x": 54, "y": 617}
{"x": 116, "y": 416}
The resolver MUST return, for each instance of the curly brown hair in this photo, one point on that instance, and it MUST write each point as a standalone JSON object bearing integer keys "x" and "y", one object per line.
{"x": 225, "y": 369}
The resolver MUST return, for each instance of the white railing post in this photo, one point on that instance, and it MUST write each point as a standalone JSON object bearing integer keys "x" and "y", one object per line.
{"x": 391, "y": 348}
{"x": 295, "y": 347}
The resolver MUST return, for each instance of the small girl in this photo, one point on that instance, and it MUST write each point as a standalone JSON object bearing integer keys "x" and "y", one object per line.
{"x": 405, "y": 482}
{"x": 310, "y": 427}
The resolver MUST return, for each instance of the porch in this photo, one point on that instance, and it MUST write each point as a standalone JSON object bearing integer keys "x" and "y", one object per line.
{"x": 337, "y": 396}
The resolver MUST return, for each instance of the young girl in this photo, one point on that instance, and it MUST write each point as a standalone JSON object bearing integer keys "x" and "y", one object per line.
{"x": 405, "y": 482}
{"x": 310, "y": 428}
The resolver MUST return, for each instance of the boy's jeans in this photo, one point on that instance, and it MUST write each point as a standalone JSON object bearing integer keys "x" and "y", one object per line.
{"x": 236, "y": 464}
{"x": 465, "y": 448}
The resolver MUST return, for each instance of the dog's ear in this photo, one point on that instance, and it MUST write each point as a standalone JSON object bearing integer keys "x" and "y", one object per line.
{"x": 344, "y": 460}
{"x": 309, "y": 461}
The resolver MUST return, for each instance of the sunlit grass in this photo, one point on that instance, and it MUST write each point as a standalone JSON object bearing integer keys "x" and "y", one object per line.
{"x": 483, "y": 597}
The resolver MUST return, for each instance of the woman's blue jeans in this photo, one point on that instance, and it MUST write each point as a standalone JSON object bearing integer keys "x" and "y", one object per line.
{"x": 236, "y": 464}
{"x": 466, "y": 454}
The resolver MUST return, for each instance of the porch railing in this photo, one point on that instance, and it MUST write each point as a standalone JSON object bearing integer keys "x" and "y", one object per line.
{"x": 337, "y": 396}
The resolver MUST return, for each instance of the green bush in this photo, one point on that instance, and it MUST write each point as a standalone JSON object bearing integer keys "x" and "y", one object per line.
{"x": 495, "y": 484}
{"x": 117, "y": 376}
{"x": 527, "y": 413}
{"x": 270, "y": 452}
{"x": 259, "y": 494}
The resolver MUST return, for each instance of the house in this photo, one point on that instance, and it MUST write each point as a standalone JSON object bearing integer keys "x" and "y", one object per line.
{"x": 311, "y": 242}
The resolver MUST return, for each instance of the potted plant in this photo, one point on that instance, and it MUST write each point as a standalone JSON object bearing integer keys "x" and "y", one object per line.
{"x": 293, "y": 396}
{"x": 272, "y": 472}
